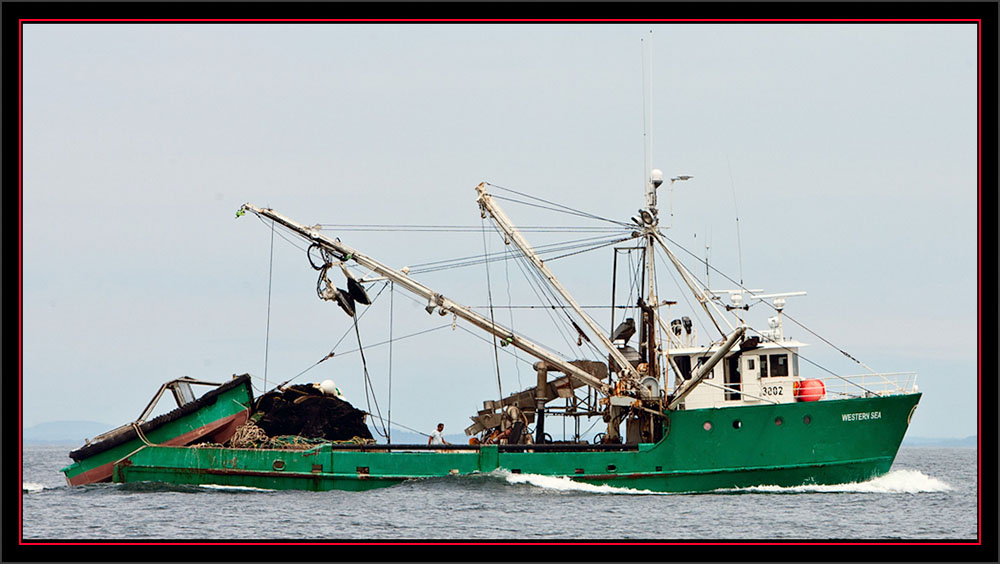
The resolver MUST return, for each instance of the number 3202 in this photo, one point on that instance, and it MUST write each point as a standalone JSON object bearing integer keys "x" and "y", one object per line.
{"x": 772, "y": 390}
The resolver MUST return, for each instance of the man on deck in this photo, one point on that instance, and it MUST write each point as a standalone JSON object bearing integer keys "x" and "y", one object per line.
{"x": 436, "y": 438}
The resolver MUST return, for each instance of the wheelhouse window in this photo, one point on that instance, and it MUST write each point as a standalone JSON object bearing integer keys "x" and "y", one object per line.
{"x": 779, "y": 365}
{"x": 795, "y": 364}
{"x": 684, "y": 365}
{"x": 763, "y": 365}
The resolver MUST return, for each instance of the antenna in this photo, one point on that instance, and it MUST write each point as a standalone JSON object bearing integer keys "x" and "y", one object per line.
{"x": 645, "y": 152}
{"x": 708, "y": 244}
{"x": 650, "y": 99}
{"x": 739, "y": 243}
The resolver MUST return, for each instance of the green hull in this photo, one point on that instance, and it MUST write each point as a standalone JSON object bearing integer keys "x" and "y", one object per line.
{"x": 215, "y": 417}
{"x": 843, "y": 441}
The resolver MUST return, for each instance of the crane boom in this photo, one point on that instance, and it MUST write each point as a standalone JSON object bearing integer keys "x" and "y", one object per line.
{"x": 434, "y": 299}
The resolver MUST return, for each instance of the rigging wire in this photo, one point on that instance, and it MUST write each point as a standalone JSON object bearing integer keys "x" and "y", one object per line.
{"x": 510, "y": 310}
{"x": 412, "y": 228}
{"x": 582, "y": 338}
{"x": 696, "y": 312}
{"x": 392, "y": 289}
{"x": 564, "y": 207}
{"x": 489, "y": 294}
{"x": 295, "y": 243}
{"x": 549, "y": 307}
{"x": 390, "y": 341}
{"x": 368, "y": 381}
{"x": 772, "y": 306}
{"x": 342, "y": 337}
{"x": 485, "y": 340}
{"x": 567, "y": 211}
{"x": 591, "y": 248}
{"x": 474, "y": 260}
{"x": 702, "y": 327}
{"x": 823, "y": 368}
{"x": 267, "y": 326}
{"x": 398, "y": 424}
{"x": 540, "y": 287}
{"x": 476, "y": 335}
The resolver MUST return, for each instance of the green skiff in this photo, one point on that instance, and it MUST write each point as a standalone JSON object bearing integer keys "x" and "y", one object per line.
{"x": 213, "y": 417}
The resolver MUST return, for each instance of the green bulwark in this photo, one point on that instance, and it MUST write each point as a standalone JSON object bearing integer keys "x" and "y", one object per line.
{"x": 824, "y": 442}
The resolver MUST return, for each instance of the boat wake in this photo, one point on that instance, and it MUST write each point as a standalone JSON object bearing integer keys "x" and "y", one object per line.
{"x": 563, "y": 484}
{"x": 31, "y": 487}
{"x": 896, "y": 481}
{"x": 233, "y": 488}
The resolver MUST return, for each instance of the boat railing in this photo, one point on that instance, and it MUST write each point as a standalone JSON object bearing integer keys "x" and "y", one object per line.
{"x": 538, "y": 447}
{"x": 871, "y": 384}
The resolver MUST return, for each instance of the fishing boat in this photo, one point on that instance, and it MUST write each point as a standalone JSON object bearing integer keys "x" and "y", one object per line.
{"x": 214, "y": 416}
{"x": 681, "y": 411}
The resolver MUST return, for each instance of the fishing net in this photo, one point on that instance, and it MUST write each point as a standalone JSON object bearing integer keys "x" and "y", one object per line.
{"x": 304, "y": 411}
{"x": 250, "y": 435}
{"x": 301, "y": 417}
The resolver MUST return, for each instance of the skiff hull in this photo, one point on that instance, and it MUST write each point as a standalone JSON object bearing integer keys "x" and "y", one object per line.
{"x": 214, "y": 417}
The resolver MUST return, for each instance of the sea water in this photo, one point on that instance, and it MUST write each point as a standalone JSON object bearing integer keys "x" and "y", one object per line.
{"x": 930, "y": 493}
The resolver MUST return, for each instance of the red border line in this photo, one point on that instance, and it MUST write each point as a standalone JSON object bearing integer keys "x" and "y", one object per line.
{"x": 20, "y": 279}
{"x": 979, "y": 281}
{"x": 20, "y": 171}
{"x": 502, "y": 543}
{"x": 511, "y": 20}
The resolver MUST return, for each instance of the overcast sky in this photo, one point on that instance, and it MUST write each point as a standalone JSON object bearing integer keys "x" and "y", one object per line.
{"x": 848, "y": 152}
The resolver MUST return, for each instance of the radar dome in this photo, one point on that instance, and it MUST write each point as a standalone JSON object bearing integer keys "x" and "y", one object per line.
{"x": 656, "y": 177}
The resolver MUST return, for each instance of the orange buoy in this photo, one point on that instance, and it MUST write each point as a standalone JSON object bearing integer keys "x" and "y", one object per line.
{"x": 809, "y": 390}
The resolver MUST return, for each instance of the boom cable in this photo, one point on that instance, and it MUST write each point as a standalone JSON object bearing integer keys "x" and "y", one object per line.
{"x": 392, "y": 289}
{"x": 562, "y": 206}
{"x": 267, "y": 330}
{"x": 368, "y": 381}
{"x": 489, "y": 294}
{"x": 510, "y": 310}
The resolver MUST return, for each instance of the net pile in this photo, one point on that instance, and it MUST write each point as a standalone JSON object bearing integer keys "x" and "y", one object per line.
{"x": 304, "y": 411}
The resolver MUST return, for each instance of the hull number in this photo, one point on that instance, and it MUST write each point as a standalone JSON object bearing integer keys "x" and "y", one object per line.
{"x": 863, "y": 416}
{"x": 771, "y": 390}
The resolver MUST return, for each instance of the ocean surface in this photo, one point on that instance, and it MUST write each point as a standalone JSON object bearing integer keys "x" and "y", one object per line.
{"x": 930, "y": 493}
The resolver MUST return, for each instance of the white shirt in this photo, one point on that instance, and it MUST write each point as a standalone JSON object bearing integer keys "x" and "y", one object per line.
{"x": 436, "y": 438}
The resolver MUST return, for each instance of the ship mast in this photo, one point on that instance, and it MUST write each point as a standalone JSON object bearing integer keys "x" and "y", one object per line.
{"x": 650, "y": 313}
